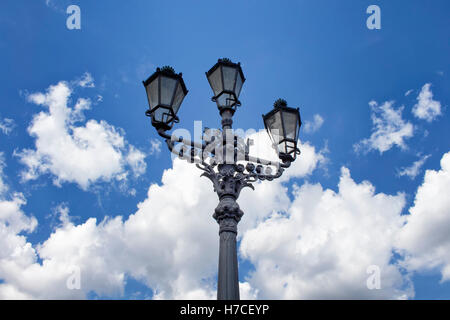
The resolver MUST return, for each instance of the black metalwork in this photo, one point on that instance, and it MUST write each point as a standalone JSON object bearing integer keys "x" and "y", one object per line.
{"x": 221, "y": 156}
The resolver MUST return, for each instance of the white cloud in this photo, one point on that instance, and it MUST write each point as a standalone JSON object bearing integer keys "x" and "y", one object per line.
{"x": 136, "y": 160}
{"x": 49, "y": 3}
{"x": 313, "y": 126}
{"x": 16, "y": 251}
{"x": 3, "y": 186}
{"x": 413, "y": 170}
{"x": 317, "y": 245}
{"x": 84, "y": 154}
{"x": 155, "y": 147}
{"x": 62, "y": 212}
{"x": 425, "y": 238}
{"x": 426, "y": 108}
{"x": 389, "y": 128}
{"x": 86, "y": 81}
{"x": 165, "y": 244}
{"x": 7, "y": 125}
{"x": 170, "y": 243}
{"x": 407, "y": 93}
{"x": 322, "y": 246}
{"x": 246, "y": 292}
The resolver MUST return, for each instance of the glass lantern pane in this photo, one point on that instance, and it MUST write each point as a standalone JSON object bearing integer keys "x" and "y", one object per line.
{"x": 158, "y": 114}
{"x": 215, "y": 80}
{"x": 290, "y": 147}
{"x": 238, "y": 85}
{"x": 179, "y": 96}
{"x": 273, "y": 123}
{"x": 282, "y": 147}
{"x": 167, "y": 90}
{"x": 229, "y": 77}
{"x": 225, "y": 100}
{"x": 290, "y": 124}
{"x": 162, "y": 115}
{"x": 152, "y": 93}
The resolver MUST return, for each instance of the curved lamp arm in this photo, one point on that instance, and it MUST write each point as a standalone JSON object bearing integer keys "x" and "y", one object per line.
{"x": 171, "y": 139}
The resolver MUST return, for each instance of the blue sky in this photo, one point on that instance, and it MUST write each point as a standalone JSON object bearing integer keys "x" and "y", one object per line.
{"x": 318, "y": 55}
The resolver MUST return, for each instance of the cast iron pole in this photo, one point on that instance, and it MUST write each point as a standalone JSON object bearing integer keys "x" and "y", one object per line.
{"x": 227, "y": 215}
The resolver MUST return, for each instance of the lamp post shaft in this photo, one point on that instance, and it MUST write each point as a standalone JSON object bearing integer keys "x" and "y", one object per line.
{"x": 228, "y": 280}
{"x": 227, "y": 215}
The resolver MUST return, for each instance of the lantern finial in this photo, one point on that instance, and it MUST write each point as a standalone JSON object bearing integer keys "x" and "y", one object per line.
{"x": 226, "y": 60}
{"x": 167, "y": 69}
{"x": 280, "y": 103}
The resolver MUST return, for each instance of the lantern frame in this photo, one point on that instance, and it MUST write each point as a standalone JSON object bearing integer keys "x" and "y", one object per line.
{"x": 169, "y": 116}
{"x": 281, "y": 107}
{"x": 235, "y": 92}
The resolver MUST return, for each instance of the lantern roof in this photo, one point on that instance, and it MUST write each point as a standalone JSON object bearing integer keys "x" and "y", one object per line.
{"x": 169, "y": 72}
{"x": 226, "y": 62}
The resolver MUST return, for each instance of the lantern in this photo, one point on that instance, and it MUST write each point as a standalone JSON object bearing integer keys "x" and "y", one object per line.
{"x": 283, "y": 125}
{"x": 226, "y": 79}
{"x": 165, "y": 93}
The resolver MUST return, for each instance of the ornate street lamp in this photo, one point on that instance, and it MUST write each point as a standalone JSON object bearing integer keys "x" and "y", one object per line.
{"x": 165, "y": 92}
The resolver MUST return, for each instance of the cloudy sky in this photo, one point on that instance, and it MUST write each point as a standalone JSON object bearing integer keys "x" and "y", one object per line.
{"x": 87, "y": 188}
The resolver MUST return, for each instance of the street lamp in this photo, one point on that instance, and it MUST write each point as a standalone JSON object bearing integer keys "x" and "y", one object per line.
{"x": 220, "y": 156}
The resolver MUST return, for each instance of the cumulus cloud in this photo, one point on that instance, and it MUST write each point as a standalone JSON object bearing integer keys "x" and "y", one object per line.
{"x": 389, "y": 129}
{"x": 70, "y": 151}
{"x": 317, "y": 245}
{"x": 165, "y": 244}
{"x": 425, "y": 238}
{"x": 7, "y": 125}
{"x": 426, "y": 108}
{"x": 323, "y": 244}
{"x": 313, "y": 126}
{"x": 16, "y": 251}
{"x": 413, "y": 170}
{"x": 314, "y": 243}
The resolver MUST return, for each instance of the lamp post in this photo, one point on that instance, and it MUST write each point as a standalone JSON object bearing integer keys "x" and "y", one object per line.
{"x": 222, "y": 156}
